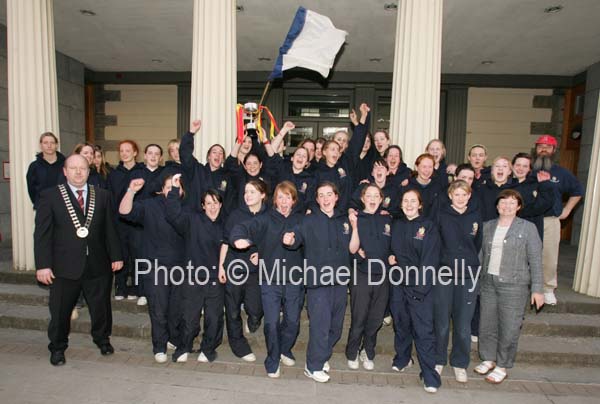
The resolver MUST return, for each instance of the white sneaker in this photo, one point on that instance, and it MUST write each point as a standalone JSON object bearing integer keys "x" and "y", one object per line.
{"x": 171, "y": 346}
{"x": 408, "y": 366}
{"x": 318, "y": 376}
{"x": 549, "y": 297}
{"x": 366, "y": 362}
{"x": 131, "y": 297}
{"x": 354, "y": 365}
{"x": 430, "y": 389}
{"x": 142, "y": 301}
{"x": 249, "y": 358}
{"x": 460, "y": 374}
{"x": 202, "y": 358}
{"x": 474, "y": 339}
{"x": 119, "y": 297}
{"x": 387, "y": 320}
{"x": 75, "y": 314}
{"x": 160, "y": 357}
{"x": 287, "y": 361}
{"x": 182, "y": 358}
{"x": 276, "y": 374}
{"x": 439, "y": 369}
{"x": 246, "y": 328}
{"x": 326, "y": 367}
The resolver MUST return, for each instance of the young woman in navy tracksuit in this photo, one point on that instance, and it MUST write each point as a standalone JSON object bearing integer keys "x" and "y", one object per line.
{"x": 423, "y": 182}
{"x": 200, "y": 177}
{"x": 415, "y": 243}
{"x": 325, "y": 235}
{"x": 330, "y": 169}
{"x": 460, "y": 228}
{"x": 236, "y": 264}
{"x": 201, "y": 293}
{"x": 46, "y": 170}
{"x": 294, "y": 170}
{"x": 369, "y": 291}
{"x": 163, "y": 247}
{"x": 379, "y": 176}
{"x": 282, "y": 289}
{"x": 118, "y": 181}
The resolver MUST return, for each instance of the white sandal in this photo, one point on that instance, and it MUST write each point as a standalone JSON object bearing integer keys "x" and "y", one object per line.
{"x": 484, "y": 367}
{"x": 496, "y": 377}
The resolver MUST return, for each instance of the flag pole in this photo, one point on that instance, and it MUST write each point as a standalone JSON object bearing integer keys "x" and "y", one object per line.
{"x": 266, "y": 90}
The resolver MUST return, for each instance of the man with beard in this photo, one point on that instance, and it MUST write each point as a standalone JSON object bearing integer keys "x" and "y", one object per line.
{"x": 564, "y": 183}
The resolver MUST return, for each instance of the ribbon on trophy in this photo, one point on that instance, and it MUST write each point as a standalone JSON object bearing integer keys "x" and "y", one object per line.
{"x": 254, "y": 113}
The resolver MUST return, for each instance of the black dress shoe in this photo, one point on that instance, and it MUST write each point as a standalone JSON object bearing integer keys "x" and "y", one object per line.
{"x": 107, "y": 349}
{"x": 57, "y": 358}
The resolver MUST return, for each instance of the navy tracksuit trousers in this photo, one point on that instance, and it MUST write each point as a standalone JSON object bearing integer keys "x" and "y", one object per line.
{"x": 326, "y": 310}
{"x": 281, "y": 333}
{"x": 412, "y": 312}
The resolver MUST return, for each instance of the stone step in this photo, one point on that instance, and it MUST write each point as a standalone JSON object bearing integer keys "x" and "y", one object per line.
{"x": 533, "y": 349}
{"x": 541, "y": 324}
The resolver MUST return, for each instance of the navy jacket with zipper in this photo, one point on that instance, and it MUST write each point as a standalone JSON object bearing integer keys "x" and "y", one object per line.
{"x": 240, "y": 215}
{"x": 375, "y": 233}
{"x": 326, "y": 242}
{"x": 202, "y": 236}
{"x": 42, "y": 175}
{"x": 281, "y": 170}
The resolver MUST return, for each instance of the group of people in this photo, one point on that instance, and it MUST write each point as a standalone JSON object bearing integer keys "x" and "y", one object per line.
{"x": 470, "y": 234}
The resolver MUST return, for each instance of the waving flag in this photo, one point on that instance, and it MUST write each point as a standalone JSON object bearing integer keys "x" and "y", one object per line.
{"x": 312, "y": 42}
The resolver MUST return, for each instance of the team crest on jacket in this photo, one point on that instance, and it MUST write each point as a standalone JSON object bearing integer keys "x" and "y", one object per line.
{"x": 420, "y": 233}
{"x": 554, "y": 180}
{"x": 475, "y": 228}
{"x": 303, "y": 187}
{"x": 223, "y": 186}
{"x": 386, "y": 202}
{"x": 341, "y": 172}
{"x": 346, "y": 228}
{"x": 535, "y": 193}
{"x": 387, "y": 229}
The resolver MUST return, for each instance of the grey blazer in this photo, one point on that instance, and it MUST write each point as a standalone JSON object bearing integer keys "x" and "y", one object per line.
{"x": 521, "y": 255}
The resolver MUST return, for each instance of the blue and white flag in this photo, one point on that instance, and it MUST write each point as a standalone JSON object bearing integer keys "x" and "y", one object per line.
{"x": 312, "y": 42}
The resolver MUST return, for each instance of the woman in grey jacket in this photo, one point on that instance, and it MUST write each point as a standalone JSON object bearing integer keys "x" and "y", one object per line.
{"x": 511, "y": 256}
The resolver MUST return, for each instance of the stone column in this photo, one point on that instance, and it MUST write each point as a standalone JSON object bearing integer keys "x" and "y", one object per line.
{"x": 417, "y": 72}
{"x": 587, "y": 267}
{"x": 214, "y": 80}
{"x": 32, "y": 108}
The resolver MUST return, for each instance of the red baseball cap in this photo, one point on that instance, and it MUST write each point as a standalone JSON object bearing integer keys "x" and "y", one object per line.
{"x": 547, "y": 139}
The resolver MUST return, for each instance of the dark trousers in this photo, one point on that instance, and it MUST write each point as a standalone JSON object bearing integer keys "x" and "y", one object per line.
{"x": 502, "y": 311}
{"x": 250, "y": 295}
{"x": 326, "y": 310}
{"x": 412, "y": 311}
{"x": 456, "y": 302}
{"x": 194, "y": 299}
{"x": 368, "y": 304}
{"x": 475, "y": 320}
{"x": 281, "y": 333}
{"x": 130, "y": 246}
{"x": 164, "y": 308}
{"x": 62, "y": 300}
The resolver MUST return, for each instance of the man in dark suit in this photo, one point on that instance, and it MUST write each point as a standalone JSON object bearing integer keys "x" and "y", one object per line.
{"x": 76, "y": 246}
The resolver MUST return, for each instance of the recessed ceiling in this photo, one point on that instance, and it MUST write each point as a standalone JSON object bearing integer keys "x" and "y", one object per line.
{"x": 516, "y": 35}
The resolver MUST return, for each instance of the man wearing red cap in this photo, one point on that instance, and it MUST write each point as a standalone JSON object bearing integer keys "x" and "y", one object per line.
{"x": 564, "y": 183}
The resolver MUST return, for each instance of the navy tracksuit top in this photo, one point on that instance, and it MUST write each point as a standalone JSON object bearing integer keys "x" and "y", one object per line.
{"x": 281, "y": 170}
{"x": 390, "y": 202}
{"x": 339, "y": 176}
{"x": 202, "y": 236}
{"x": 160, "y": 241}
{"x": 326, "y": 242}
{"x": 240, "y": 215}
{"x": 430, "y": 194}
{"x": 375, "y": 233}
{"x": 416, "y": 243}
{"x": 266, "y": 233}
{"x": 460, "y": 238}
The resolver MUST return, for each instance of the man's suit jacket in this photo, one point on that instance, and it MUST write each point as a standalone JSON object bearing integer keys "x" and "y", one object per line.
{"x": 57, "y": 246}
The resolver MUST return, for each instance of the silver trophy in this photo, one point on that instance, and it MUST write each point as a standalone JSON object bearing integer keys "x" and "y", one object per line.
{"x": 250, "y": 111}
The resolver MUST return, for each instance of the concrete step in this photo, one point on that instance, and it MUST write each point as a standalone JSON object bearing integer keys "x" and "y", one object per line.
{"x": 533, "y": 349}
{"x": 540, "y": 324}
